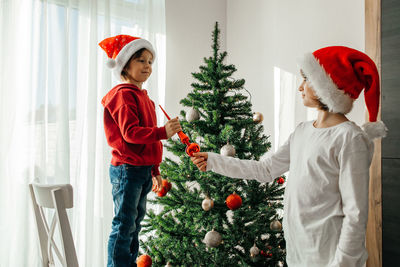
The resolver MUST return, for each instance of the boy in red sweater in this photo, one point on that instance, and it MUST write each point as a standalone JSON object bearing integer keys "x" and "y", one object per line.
{"x": 131, "y": 130}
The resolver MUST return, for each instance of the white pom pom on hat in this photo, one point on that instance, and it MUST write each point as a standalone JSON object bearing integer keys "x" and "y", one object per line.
{"x": 375, "y": 129}
{"x": 111, "y": 63}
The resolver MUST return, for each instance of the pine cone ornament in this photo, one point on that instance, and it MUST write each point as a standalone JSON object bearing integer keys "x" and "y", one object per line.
{"x": 233, "y": 201}
{"x": 228, "y": 150}
{"x": 192, "y": 115}
{"x": 213, "y": 239}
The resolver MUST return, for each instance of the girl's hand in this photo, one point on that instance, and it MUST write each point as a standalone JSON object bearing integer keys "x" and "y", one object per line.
{"x": 157, "y": 183}
{"x": 172, "y": 127}
{"x": 200, "y": 160}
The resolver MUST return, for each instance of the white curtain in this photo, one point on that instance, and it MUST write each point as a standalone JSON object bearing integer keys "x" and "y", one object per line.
{"x": 52, "y": 80}
{"x": 289, "y": 108}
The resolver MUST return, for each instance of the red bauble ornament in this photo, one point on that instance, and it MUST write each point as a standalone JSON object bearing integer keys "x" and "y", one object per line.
{"x": 234, "y": 201}
{"x": 162, "y": 192}
{"x": 280, "y": 180}
{"x": 144, "y": 261}
{"x": 166, "y": 184}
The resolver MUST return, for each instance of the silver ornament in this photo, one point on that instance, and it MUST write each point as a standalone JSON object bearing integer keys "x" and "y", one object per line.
{"x": 168, "y": 264}
{"x": 213, "y": 239}
{"x": 254, "y": 251}
{"x": 276, "y": 225}
{"x": 207, "y": 204}
{"x": 228, "y": 150}
{"x": 258, "y": 117}
{"x": 192, "y": 115}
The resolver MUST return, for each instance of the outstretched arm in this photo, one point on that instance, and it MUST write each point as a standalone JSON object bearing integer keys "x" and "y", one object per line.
{"x": 265, "y": 170}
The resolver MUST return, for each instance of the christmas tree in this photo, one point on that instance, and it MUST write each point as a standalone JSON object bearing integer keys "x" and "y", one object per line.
{"x": 208, "y": 219}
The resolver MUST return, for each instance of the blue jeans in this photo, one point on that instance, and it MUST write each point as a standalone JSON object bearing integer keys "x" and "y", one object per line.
{"x": 130, "y": 186}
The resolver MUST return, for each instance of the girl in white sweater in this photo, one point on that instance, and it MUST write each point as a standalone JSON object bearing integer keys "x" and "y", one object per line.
{"x": 326, "y": 195}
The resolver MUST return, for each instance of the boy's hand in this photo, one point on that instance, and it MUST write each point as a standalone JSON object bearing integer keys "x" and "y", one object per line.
{"x": 157, "y": 183}
{"x": 200, "y": 160}
{"x": 172, "y": 127}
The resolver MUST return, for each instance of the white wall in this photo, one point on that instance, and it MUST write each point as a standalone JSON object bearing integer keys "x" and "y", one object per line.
{"x": 189, "y": 24}
{"x": 258, "y": 35}
{"x": 263, "y": 34}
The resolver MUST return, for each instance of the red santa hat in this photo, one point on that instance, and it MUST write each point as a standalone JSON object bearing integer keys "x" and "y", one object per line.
{"x": 120, "y": 49}
{"x": 338, "y": 74}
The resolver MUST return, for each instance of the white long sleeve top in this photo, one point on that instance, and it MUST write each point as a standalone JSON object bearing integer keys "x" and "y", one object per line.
{"x": 326, "y": 195}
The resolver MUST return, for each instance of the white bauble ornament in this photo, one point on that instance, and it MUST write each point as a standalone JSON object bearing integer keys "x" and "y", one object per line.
{"x": 258, "y": 117}
{"x": 228, "y": 150}
{"x": 254, "y": 251}
{"x": 276, "y": 225}
{"x": 168, "y": 265}
{"x": 192, "y": 115}
{"x": 207, "y": 204}
{"x": 213, "y": 239}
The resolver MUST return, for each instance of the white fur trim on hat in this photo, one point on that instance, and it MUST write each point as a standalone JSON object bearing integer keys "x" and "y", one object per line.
{"x": 126, "y": 53}
{"x": 336, "y": 100}
{"x": 375, "y": 129}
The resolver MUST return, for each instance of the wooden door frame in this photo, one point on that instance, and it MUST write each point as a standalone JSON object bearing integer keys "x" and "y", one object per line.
{"x": 374, "y": 227}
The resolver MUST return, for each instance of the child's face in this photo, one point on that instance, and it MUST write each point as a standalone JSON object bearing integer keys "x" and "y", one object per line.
{"x": 310, "y": 99}
{"x": 140, "y": 68}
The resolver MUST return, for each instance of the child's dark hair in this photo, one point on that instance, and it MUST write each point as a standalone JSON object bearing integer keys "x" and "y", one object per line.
{"x": 124, "y": 72}
{"x": 322, "y": 106}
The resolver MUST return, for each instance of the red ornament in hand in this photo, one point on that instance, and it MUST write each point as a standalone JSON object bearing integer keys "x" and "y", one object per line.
{"x": 234, "y": 201}
{"x": 162, "y": 192}
{"x": 191, "y": 148}
{"x": 144, "y": 261}
{"x": 166, "y": 184}
{"x": 165, "y": 187}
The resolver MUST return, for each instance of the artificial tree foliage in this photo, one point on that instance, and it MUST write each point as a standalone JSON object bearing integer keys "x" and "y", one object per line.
{"x": 177, "y": 232}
